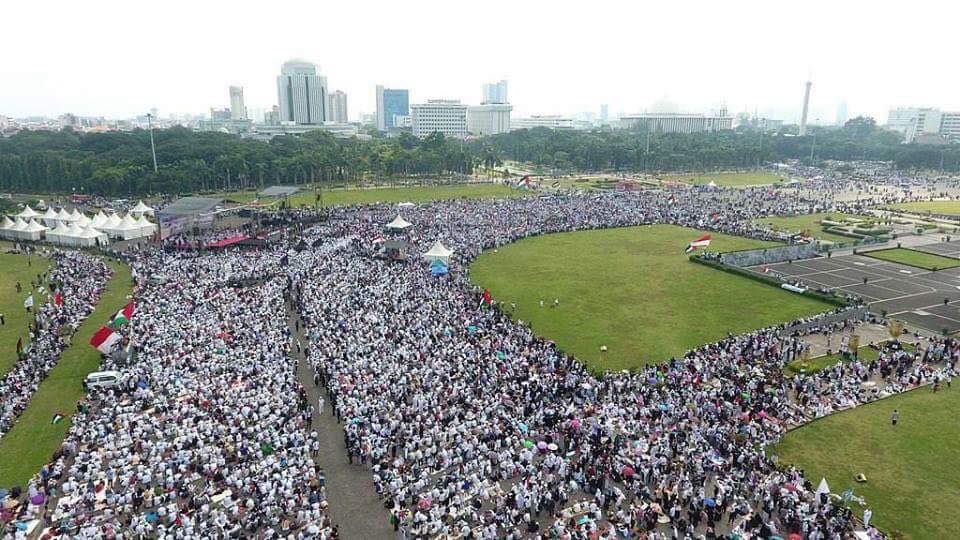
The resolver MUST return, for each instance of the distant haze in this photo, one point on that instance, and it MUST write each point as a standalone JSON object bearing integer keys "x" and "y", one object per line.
{"x": 120, "y": 58}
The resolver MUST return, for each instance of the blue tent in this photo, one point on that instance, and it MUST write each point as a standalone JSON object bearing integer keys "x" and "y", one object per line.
{"x": 439, "y": 270}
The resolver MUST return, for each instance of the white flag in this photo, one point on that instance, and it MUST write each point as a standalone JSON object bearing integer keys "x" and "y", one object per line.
{"x": 28, "y": 303}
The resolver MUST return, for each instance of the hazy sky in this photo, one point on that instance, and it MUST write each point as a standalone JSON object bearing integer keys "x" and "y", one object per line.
{"x": 120, "y": 58}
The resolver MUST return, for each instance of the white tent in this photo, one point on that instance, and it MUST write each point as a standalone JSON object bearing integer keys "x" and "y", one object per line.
{"x": 33, "y": 231}
{"x": 15, "y": 232}
{"x": 110, "y": 225}
{"x": 398, "y": 224}
{"x": 146, "y": 227}
{"x": 76, "y": 214}
{"x": 59, "y": 235}
{"x": 141, "y": 209}
{"x": 438, "y": 252}
{"x": 63, "y": 215}
{"x": 50, "y": 217}
{"x": 406, "y": 205}
{"x": 28, "y": 213}
{"x": 99, "y": 219}
{"x": 84, "y": 221}
{"x": 5, "y": 226}
{"x": 127, "y": 228}
{"x": 95, "y": 236}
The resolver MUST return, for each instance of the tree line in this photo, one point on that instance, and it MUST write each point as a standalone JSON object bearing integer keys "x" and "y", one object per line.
{"x": 120, "y": 163}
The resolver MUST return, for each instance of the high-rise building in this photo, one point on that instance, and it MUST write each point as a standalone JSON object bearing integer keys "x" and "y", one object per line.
{"x": 337, "y": 107}
{"x": 301, "y": 93}
{"x": 604, "y": 113}
{"x": 806, "y": 109}
{"x": 842, "y": 113}
{"x": 391, "y": 102}
{"x": 495, "y": 93}
{"x": 916, "y": 122}
{"x": 489, "y": 118}
{"x": 238, "y": 111}
{"x": 446, "y": 116}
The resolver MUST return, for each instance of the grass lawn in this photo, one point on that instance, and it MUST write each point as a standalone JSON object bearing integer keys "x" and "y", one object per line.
{"x": 947, "y": 208}
{"x": 866, "y": 354}
{"x": 633, "y": 290}
{"x": 13, "y": 269}
{"x": 33, "y": 439}
{"x": 727, "y": 179}
{"x": 913, "y": 482}
{"x": 811, "y": 223}
{"x": 910, "y": 257}
{"x": 337, "y": 197}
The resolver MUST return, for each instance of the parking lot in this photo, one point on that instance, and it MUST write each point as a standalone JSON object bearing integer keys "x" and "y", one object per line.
{"x": 927, "y": 299}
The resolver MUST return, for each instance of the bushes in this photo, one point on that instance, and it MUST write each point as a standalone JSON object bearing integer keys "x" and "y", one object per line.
{"x": 830, "y": 298}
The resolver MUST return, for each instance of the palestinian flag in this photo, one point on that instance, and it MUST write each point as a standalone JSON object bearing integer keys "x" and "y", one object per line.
{"x": 123, "y": 316}
{"x": 524, "y": 182}
{"x": 20, "y": 346}
{"x": 105, "y": 339}
{"x": 703, "y": 241}
{"x": 56, "y": 418}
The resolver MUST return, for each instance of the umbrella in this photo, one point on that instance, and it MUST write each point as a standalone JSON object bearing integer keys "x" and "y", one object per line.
{"x": 794, "y": 536}
{"x": 627, "y": 471}
{"x": 790, "y": 487}
{"x": 37, "y": 499}
{"x": 528, "y": 444}
{"x": 707, "y": 501}
{"x": 542, "y": 445}
{"x": 575, "y": 424}
{"x": 553, "y": 447}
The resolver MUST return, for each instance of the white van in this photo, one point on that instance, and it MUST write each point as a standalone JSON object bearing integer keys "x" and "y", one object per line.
{"x": 102, "y": 379}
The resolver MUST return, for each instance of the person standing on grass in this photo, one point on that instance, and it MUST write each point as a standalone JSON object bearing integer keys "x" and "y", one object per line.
{"x": 894, "y": 417}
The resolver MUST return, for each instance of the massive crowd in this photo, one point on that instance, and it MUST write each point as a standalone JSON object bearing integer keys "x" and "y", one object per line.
{"x": 62, "y": 297}
{"x": 470, "y": 424}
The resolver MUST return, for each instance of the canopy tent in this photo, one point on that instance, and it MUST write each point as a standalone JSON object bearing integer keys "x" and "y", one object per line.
{"x": 15, "y": 230}
{"x": 90, "y": 237}
{"x": 75, "y": 215}
{"x": 50, "y": 217}
{"x": 110, "y": 225}
{"x": 63, "y": 215}
{"x": 5, "y": 226}
{"x": 28, "y": 213}
{"x": 438, "y": 252}
{"x": 398, "y": 224}
{"x": 439, "y": 268}
{"x": 141, "y": 209}
{"x": 59, "y": 235}
{"x": 99, "y": 219}
{"x": 84, "y": 221}
{"x": 146, "y": 227}
{"x": 33, "y": 231}
{"x": 127, "y": 228}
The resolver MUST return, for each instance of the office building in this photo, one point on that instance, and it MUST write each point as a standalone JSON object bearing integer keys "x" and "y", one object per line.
{"x": 337, "y": 107}
{"x": 495, "y": 93}
{"x": 391, "y": 102}
{"x": 446, "y": 116}
{"x": 604, "y": 113}
{"x": 544, "y": 121}
{"x": 924, "y": 122}
{"x": 238, "y": 111}
{"x": 489, "y": 119}
{"x": 301, "y": 93}
{"x": 678, "y": 122}
{"x": 219, "y": 115}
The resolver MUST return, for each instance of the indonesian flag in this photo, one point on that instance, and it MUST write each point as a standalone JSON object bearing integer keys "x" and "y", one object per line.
{"x": 105, "y": 339}
{"x": 703, "y": 241}
{"x": 123, "y": 316}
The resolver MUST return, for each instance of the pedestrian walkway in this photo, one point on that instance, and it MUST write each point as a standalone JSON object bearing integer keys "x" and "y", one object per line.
{"x": 354, "y": 505}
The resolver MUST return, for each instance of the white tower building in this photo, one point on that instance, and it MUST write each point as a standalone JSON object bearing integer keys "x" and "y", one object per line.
{"x": 301, "y": 93}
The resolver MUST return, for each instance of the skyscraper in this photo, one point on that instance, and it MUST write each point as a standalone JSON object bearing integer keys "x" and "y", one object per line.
{"x": 238, "y": 111}
{"x": 495, "y": 93}
{"x": 806, "y": 109}
{"x": 301, "y": 93}
{"x": 391, "y": 102}
{"x": 337, "y": 107}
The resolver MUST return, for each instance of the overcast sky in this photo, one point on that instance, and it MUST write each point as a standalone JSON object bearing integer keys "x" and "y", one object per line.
{"x": 120, "y": 58}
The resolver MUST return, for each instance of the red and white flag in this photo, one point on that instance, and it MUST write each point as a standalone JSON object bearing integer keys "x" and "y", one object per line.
{"x": 105, "y": 339}
{"x": 487, "y": 299}
{"x": 703, "y": 241}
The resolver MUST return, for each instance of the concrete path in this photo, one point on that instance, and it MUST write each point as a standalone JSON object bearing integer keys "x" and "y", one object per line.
{"x": 354, "y": 506}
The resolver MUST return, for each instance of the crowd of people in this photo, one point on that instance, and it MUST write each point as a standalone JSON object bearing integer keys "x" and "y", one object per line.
{"x": 471, "y": 425}
{"x": 62, "y": 297}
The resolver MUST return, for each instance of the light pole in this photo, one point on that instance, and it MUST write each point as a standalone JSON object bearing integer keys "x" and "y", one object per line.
{"x": 153, "y": 149}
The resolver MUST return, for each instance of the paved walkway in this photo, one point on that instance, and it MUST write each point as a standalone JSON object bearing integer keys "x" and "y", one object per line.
{"x": 354, "y": 505}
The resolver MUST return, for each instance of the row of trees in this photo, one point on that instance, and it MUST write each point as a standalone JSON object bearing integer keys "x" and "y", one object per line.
{"x": 640, "y": 150}
{"x": 119, "y": 163}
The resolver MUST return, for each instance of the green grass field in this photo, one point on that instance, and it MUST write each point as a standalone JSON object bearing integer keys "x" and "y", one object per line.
{"x": 13, "y": 269}
{"x": 727, "y": 179}
{"x": 947, "y": 208}
{"x": 811, "y": 223}
{"x": 913, "y": 482}
{"x": 339, "y": 197}
{"x": 866, "y": 354}
{"x": 633, "y": 290}
{"x": 33, "y": 439}
{"x": 910, "y": 257}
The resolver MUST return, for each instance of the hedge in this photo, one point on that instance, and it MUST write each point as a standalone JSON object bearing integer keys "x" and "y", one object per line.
{"x": 830, "y": 298}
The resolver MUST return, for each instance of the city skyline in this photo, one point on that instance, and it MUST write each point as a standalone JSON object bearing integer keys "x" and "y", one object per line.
{"x": 743, "y": 57}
